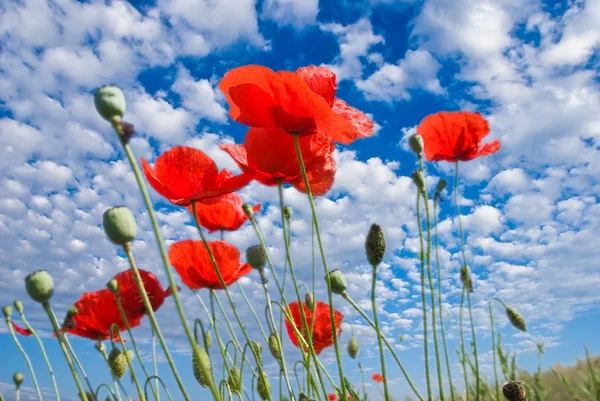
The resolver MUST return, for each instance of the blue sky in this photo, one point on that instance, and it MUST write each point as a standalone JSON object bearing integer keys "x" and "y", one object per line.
{"x": 531, "y": 211}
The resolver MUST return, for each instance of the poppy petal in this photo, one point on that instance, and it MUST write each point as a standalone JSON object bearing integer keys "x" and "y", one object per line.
{"x": 21, "y": 330}
{"x": 320, "y": 80}
{"x": 359, "y": 120}
{"x": 257, "y": 75}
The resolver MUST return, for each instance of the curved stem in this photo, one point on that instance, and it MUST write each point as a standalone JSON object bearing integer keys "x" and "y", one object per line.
{"x": 60, "y": 339}
{"x": 78, "y": 363}
{"x": 497, "y": 383}
{"x": 100, "y": 388}
{"x": 158, "y": 380}
{"x": 385, "y": 341}
{"x": 336, "y": 343}
{"x": 218, "y": 337}
{"x": 253, "y": 311}
{"x": 115, "y": 329}
{"x": 379, "y": 341}
{"x": 117, "y": 381}
{"x": 29, "y": 365}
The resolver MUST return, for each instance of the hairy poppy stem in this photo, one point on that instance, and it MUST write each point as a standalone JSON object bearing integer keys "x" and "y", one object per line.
{"x": 336, "y": 343}
{"x": 497, "y": 383}
{"x": 378, "y": 332}
{"x": 386, "y": 392}
{"x": 78, "y": 363}
{"x": 441, "y": 313}
{"x": 138, "y": 388}
{"x": 117, "y": 382}
{"x": 258, "y": 323}
{"x": 61, "y": 341}
{"x": 152, "y": 318}
{"x": 116, "y": 123}
{"x": 155, "y": 363}
{"x": 214, "y": 325}
{"x": 29, "y": 365}
{"x": 424, "y": 299}
{"x": 462, "y": 248}
{"x": 462, "y": 343}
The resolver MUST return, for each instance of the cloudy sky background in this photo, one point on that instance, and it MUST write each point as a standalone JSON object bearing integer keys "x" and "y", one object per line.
{"x": 531, "y": 211}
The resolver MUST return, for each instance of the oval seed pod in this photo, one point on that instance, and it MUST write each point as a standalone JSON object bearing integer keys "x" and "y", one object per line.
{"x": 40, "y": 286}
{"x": 201, "y": 366}
{"x": 110, "y": 102}
{"x": 117, "y": 363}
{"x": 353, "y": 347}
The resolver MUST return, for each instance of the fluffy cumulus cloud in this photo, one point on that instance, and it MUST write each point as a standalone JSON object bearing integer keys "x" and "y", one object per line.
{"x": 297, "y": 13}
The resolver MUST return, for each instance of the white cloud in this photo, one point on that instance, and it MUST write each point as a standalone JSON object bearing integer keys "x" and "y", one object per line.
{"x": 297, "y": 13}
{"x": 529, "y": 208}
{"x": 198, "y": 96}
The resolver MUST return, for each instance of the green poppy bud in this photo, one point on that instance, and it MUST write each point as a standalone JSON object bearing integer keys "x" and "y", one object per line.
{"x": 110, "y": 102}
{"x": 353, "y": 347}
{"x": 117, "y": 362}
{"x": 257, "y": 350}
{"x": 72, "y": 312}
{"x": 247, "y": 208}
{"x": 18, "y": 379}
{"x": 416, "y": 143}
{"x": 441, "y": 185}
{"x": 337, "y": 281}
{"x": 288, "y": 212}
{"x": 419, "y": 180}
{"x": 516, "y": 319}
{"x": 256, "y": 257}
{"x": 375, "y": 245}
{"x": 208, "y": 339}
{"x": 275, "y": 347}
{"x": 263, "y": 387}
{"x": 235, "y": 381}
{"x": 401, "y": 338}
{"x": 40, "y": 286}
{"x": 113, "y": 286}
{"x": 465, "y": 278}
{"x": 18, "y": 306}
{"x": 7, "y": 311}
{"x": 201, "y": 366}
{"x": 309, "y": 301}
{"x": 514, "y": 391}
{"x": 119, "y": 225}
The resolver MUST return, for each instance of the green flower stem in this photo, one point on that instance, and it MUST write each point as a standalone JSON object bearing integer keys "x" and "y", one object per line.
{"x": 138, "y": 388}
{"x": 385, "y": 341}
{"x": 78, "y": 363}
{"x": 497, "y": 383}
{"x": 29, "y": 365}
{"x": 298, "y": 381}
{"x": 437, "y": 258}
{"x": 424, "y": 299}
{"x": 112, "y": 393}
{"x": 336, "y": 343}
{"x": 214, "y": 324}
{"x": 462, "y": 343}
{"x": 158, "y": 380}
{"x": 163, "y": 254}
{"x": 462, "y": 248}
{"x": 155, "y": 363}
{"x": 61, "y": 341}
{"x": 135, "y": 348}
{"x": 225, "y": 289}
{"x": 241, "y": 288}
{"x": 386, "y": 392}
{"x": 41, "y": 344}
{"x": 116, "y": 380}
{"x": 362, "y": 375}
{"x": 18, "y": 394}
{"x": 152, "y": 317}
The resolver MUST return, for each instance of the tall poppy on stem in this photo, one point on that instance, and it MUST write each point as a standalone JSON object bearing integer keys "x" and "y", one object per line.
{"x": 184, "y": 174}
{"x": 192, "y": 262}
{"x": 225, "y": 214}
{"x": 322, "y": 334}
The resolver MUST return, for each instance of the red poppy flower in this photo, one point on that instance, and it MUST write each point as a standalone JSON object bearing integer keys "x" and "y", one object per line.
{"x": 453, "y": 136}
{"x": 226, "y": 214}
{"x": 21, "y": 330}
{"x": 97, "y": 311}
{"x": 377, "y": 377}
{"x": 192, "y": 262}
{"x": 269, "y": 157}
{"x": 261, "y": 98}
{"x": 331, "y": 397}
{"x": 322, "y": 335}
{"x": 184, "y": 174}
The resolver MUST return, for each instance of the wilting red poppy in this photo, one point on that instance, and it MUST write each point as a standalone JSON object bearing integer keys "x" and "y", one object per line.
{"x": 377, "y": 377}
{"x": 322, "y": 335}
{"x": 97, "y": 311}
{"x": 331, "y": 397}
{"x": 184, "y": 174}
{"x": 21, "y": 330}
{"x": 192, "y": 262}
{"x": 261, "y": 98}
{"x": 453, "y": 136}
{"x": 226, "y": 214}
{"x": 269, "y": 157}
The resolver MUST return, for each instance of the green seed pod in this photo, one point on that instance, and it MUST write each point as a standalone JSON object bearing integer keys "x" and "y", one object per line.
{"x": 40, "y": 286}
{"x": 208, "y": 339}
{"x": 18, "y": 306}
{"x": 235, "y": 381}
{"x": 18, "y": 379}
{"x": 275, "y": 347}
{"x": 257, "y": 350}
{"x": 375, "y": 245}
{"x": 119, "y": 225}
{"x": 113, "y": 286}
{"x": 441, "y": 185}
{"x": 117, "y": 363}
{"x": 263, "y": 387}
{"x": 110, "y": 102}
{"x": 247, "y": 208}
{"x": 465, "y": 278}
{"x": 288, "y": 212}
{"x": 337, "y": 281}
{"x": 419, "y": 180}
{"x": 416, "y": 143}
{"x": 256, "y": 257}
{"x": 353, "y": 347}
{"x": 514, "y": 391}
{"x": 401, "y": 338}
{"x": 201, "y": 366}
{"x": 7, "y": 311}
{"x": 72, "y": 312}
{"x": 516, "y": 319}
{"x": 309, "y": 301}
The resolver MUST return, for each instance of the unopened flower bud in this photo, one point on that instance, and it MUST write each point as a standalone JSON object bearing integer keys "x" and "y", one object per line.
{"x": 309, "y": 301}
{"x": 275, "y": 347}
{"x": 110, "y": 102}
{"x": 465, "y": 278}
{"x": 516, "y": 319}
{"x": 419, "y": 179}
{"x": 18, "y": 379}
{"x": 256, "y": 257}
{"x": 441, "y": 185}
{"x": 72, "y": 312}
{"x": 235, "y": 381}
{"x": 7, "y": 311}
{"x": 119, "y": 225}
{"x": 117, "y": 363}
{"x": 288, "y": 212}
{"x": 337, "y": 281}
{"x": 375, "y": 245}
{"x": 257, "y": 350}
{"x": 514, "y": 391}
{"x": 263, "y": 387}
{"x": 401, "y": 338}
{"x": 353, "y": 347}
{"x": 40, "y": 286}
{"x": 208, "y": 339}
{"x": 247, "y": 208}
{"x": 416, "y": 143}
{"x": 113, "y": 286}
{"x": 201, "y": 366}
{"x": 18, "y": 306}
